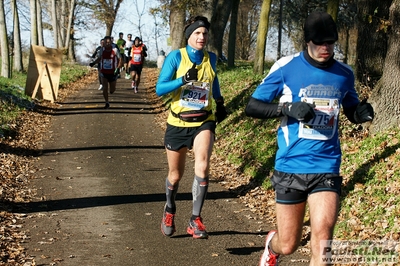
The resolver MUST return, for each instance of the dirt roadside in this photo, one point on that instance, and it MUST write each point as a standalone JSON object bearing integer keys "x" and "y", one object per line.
{"x": 100, "y": 192}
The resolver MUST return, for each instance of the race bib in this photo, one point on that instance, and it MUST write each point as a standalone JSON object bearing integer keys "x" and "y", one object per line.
{"x": 324, "y": 124}
{"x": 107, "y": 64}
{"x": 137, "y": 58}
{"x": 195, "y": 95}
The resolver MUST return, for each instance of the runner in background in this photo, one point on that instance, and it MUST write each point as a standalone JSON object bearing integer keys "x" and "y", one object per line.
{"x": 121, "y": 46}
{"x": 138, "y": 54}
{"x": 110, "y": 61}
{"x": 128, "y": 48}
{"x": 95, "y": 55}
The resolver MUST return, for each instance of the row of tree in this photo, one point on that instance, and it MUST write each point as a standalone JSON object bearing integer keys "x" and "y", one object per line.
{"x": 368, "y": 34}
{"x": 368, "y": 29}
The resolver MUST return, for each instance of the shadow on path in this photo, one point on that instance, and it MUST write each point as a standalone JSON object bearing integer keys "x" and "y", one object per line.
{"x": 99, "y": 201}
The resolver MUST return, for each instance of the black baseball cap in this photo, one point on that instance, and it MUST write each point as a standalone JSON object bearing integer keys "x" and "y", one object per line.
{"x": 320, "y": 27}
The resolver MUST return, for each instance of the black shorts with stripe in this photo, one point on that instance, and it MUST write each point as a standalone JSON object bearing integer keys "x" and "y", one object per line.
{"x": 294, "y": 188}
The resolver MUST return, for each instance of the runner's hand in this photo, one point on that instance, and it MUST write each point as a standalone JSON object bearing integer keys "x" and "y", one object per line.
{"x": 221, "y": 113}
{"x": 301, "y": 111}
{"x": 191, "y": 75}
{"x": 364, "y": 112}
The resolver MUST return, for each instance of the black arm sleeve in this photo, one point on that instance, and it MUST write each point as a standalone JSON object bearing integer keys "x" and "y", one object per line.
{"x": 96, "y": 52}
{"x": 349, "y": 113}
{"x": 258, "y": 109}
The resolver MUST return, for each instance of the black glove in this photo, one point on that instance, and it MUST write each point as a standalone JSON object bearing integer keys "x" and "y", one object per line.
{"x": 191, "y": 75}
{"x": 301, "y": 111}
{"x": 364, "y": 112}
{"x": 221, "y": 113}
{"x": 91, "y": 64}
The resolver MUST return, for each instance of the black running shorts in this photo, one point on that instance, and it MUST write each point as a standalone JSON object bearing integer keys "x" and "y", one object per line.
{"x": 295, "y": 188}
{"x": 127, "y": 59}
{"x": 136, "y": 68}
{"x": 109, "y": 77}
{"x": 178, "y": 137}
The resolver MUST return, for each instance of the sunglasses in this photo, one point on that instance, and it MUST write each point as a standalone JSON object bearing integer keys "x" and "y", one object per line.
{"x": 321, "y": 43}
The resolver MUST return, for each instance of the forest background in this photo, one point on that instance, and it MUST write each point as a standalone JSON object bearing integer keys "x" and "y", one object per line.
{"x": 368, "y": 33}
{"x": 368, "y": 41}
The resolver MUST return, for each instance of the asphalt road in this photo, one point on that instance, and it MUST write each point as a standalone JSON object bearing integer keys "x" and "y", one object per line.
{"x": 101, "y": 191}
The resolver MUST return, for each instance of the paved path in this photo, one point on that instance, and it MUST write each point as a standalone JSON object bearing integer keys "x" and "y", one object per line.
{"x": 101, "y": 192}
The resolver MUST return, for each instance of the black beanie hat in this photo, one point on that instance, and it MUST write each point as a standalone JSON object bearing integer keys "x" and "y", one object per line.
{"x": 320, "y": 27}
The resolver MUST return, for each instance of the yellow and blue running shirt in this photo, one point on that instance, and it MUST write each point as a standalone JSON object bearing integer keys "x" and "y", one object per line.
{"x": 191, "y": 96}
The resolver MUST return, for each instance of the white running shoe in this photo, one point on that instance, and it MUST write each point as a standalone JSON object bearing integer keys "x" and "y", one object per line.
{"x": 267, "y": 258}
{"x": 101, "y": 87}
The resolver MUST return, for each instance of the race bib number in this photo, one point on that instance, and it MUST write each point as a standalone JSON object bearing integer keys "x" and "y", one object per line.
{"x": 195, "y": 95}
{"x": 107, "y": 64}
{"x": 137, "y": 58}
{"x": 324, "y": 124}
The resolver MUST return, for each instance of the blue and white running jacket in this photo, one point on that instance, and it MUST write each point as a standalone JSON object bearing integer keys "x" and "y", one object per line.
{"x": 313, "y": 147}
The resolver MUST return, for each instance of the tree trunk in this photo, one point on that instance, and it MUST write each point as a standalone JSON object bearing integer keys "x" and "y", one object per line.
{"x": 5, "y": 56}
{"x": 346, "y": 45}
{"x": 333, "y": 8}
{"x": 69, "y": 40}
{"x": 156, "y": 30}
{"x": 247, "y": 26}
{"x": 106, "y": 12}
{"x": 17, "y": 51}
{"x": 39, "y": 23}
{"x": 176, "y": 24}
{"x": 262, "y": 37}
{"x": 54, "y": 23}
{"x": 71, "y": 51}
{"x": 232, "y": 33}
{"x": 61, "y": 14}
{"x": 280, "y": 28}
{"x": 385, "y": 96}
{"x": 206, "y": 8}
{"x": 34, "y": 27}
{"x": 371, "y": 44}
{"x": 218, "y": 24}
